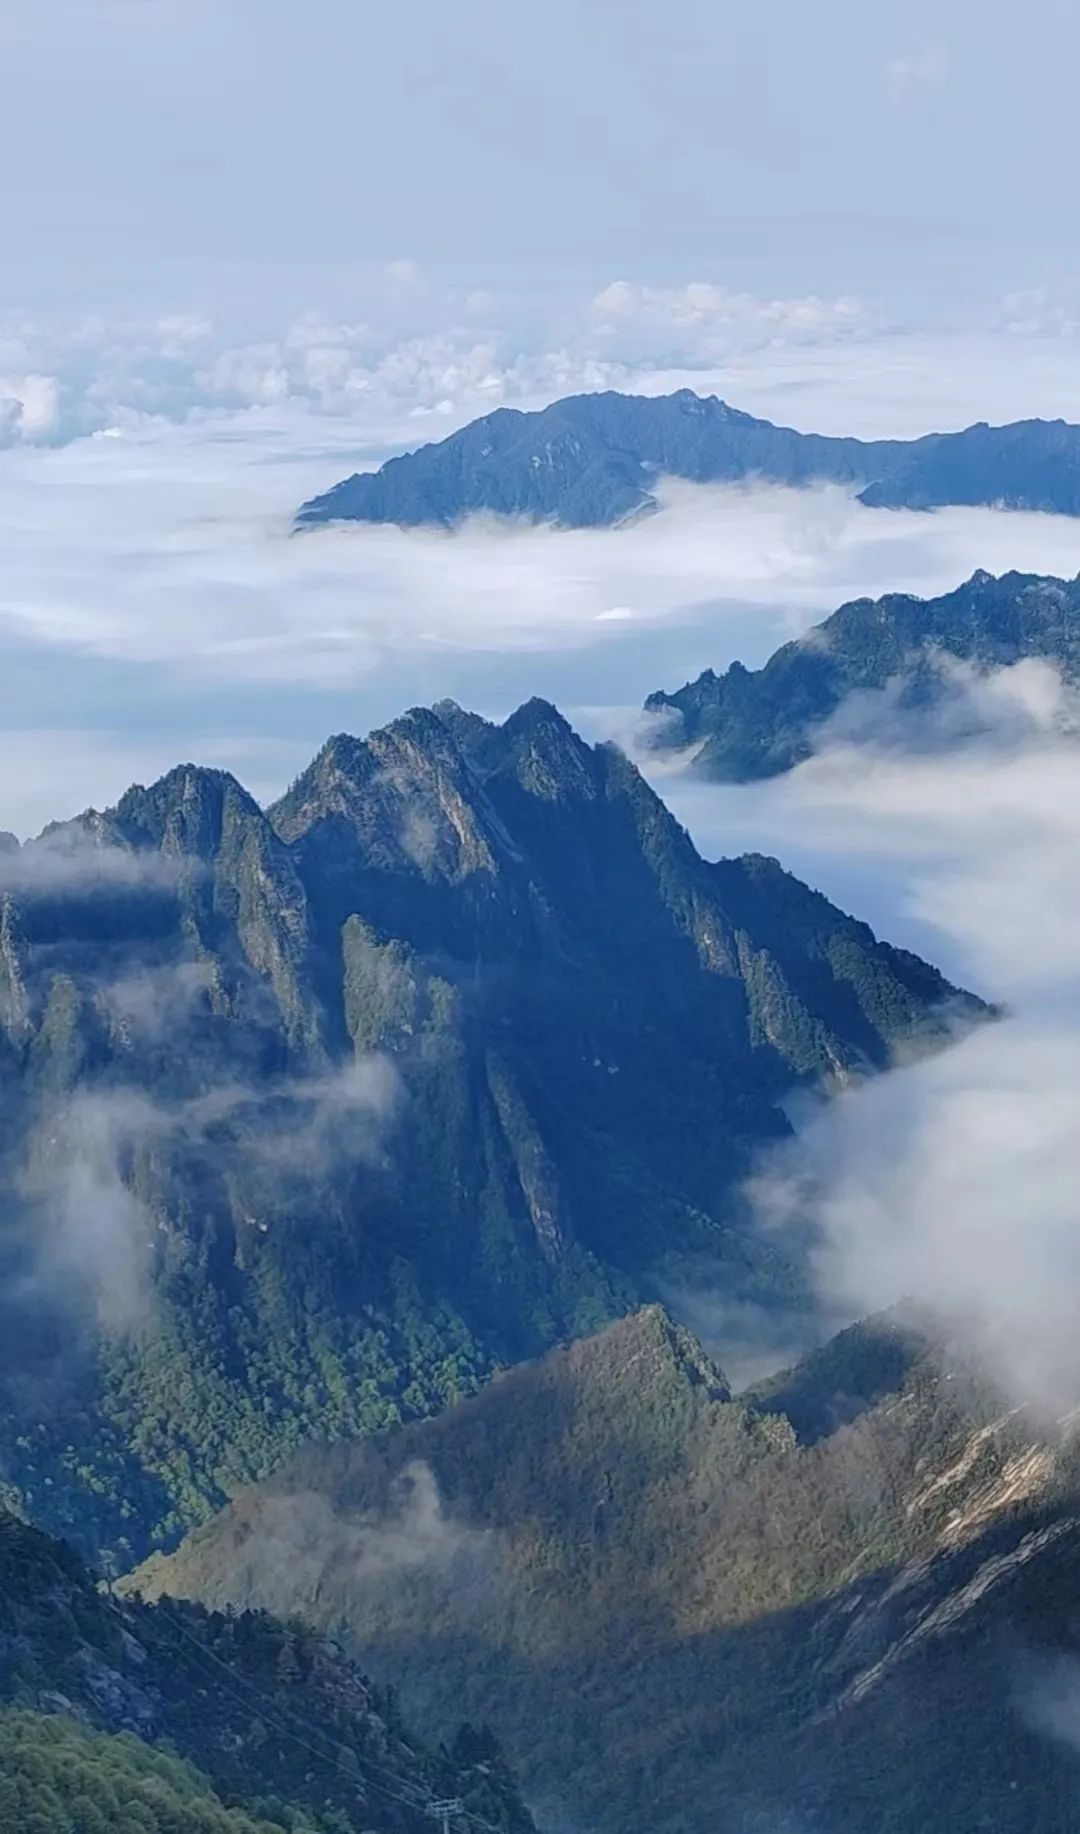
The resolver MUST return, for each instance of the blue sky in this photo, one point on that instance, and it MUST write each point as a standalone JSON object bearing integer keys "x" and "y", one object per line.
{"x": 837, "y": 146}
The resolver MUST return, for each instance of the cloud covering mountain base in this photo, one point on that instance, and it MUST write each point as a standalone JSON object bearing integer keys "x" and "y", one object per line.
{"x": 156, "y": 605}
{"x": 951, "y": 1181}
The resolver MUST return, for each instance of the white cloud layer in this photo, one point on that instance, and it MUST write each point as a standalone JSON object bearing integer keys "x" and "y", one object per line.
{"x": 177, "y": 548}
{"x": 154, "y": 604}
{"x": 402, "y": 357}
{"x": 92, "y": 1237}
{"x": 954, "y": 1180}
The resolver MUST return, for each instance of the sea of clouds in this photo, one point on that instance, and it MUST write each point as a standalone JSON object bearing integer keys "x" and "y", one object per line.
{"x": 155, "y": 604}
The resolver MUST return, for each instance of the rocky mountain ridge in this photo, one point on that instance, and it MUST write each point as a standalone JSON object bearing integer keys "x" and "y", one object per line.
{"x": 900, "y": 669}
{"x": 313, "y": 1116}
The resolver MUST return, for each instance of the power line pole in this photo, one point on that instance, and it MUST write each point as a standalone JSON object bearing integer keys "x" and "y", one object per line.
{"x": 446, "y": 1810}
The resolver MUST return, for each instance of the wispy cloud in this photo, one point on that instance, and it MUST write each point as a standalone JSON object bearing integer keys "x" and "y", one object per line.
{"x": 66, "y": 863}
{"x": 93, "y": 1233}
{"x": 717, "y": 321}
{"x": 299, "y": 1547}
{"x": 92, "y": 1239}
{"x": 912, "y": 75}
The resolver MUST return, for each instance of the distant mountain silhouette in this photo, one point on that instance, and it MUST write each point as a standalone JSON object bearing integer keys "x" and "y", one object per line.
{"x": 594, "y": 460}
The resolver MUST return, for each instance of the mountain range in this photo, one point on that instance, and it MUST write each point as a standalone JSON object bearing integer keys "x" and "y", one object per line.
{"x": 595, "y": 460}
{"x": 314, "y": 1116}
{"x": 914, "y": 667}
{"x": 848, "y": 1602}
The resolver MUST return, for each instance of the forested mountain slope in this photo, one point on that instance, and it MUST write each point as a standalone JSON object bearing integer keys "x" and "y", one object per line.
{"x": 170, "y": 1720}
{"x": 678, "y": 1612}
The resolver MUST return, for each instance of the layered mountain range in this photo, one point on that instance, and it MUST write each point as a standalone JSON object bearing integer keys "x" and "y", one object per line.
{"x": 314, "y": 1116}
{"x": 893, "y": 668}
{"x": 849, "y": 1602}
{"x": 595, "y": 460}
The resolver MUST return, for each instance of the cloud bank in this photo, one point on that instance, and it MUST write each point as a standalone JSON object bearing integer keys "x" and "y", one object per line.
{"x": 401, "y": 355}
{"x": 202, "y": 534}
{"x": 953, "y": 1180}
{"x": 156, "y": 606}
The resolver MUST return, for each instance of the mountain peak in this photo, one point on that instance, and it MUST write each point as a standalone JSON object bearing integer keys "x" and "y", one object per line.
{"x": 189, "y": 783}
{"x": 459, "y": 718}
{"x": 540, "y": 717}
{"x": 416, "y": 741}
{"x": 185, "y": 810}
{"x": 653, "y": 1347}
{"x": 432, "y": 1066}
{"x": 541, "y": 749}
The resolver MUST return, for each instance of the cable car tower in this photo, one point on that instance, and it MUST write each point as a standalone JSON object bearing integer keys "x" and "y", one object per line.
{"x": 446, "y": 1810}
